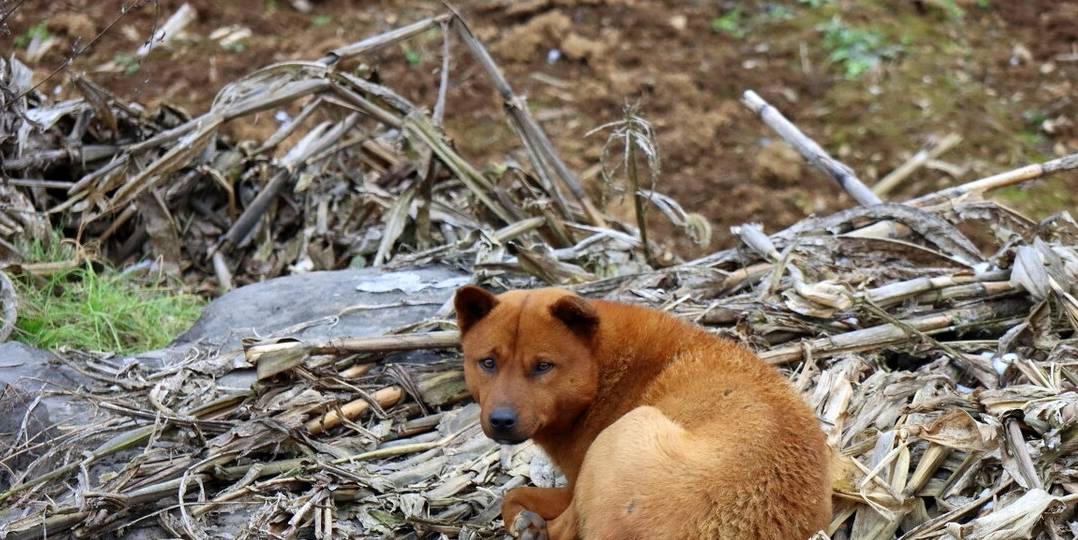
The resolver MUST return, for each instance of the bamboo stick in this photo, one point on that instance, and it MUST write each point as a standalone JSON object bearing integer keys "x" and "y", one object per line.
{"x": 386, "y": 397}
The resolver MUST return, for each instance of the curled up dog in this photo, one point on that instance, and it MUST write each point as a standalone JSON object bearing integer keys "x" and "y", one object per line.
{"x": 662, "y": 430}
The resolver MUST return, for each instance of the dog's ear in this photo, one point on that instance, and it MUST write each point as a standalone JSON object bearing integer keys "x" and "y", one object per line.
{"x": 472, "y": 304}
{"x": 577, "y": 313}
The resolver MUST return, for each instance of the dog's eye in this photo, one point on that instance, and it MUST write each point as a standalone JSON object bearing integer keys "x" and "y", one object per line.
{"x": 543, "y": 367}
{"x": 488, "y": 364}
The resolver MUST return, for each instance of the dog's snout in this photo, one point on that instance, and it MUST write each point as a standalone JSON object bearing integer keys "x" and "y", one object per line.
{"x": 503, "y": 419}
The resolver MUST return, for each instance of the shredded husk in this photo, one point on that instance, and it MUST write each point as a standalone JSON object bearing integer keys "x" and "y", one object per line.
{"x": 942, "y": 367}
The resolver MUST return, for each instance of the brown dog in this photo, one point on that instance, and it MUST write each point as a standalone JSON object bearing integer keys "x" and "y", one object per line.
{"x": 663, "y": 430}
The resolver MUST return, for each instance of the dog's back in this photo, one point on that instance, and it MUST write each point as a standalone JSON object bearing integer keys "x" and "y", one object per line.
{"x": 719, "y": 446}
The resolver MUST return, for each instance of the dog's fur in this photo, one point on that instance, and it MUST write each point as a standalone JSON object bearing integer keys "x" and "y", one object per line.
{"x": 663, "y": 430}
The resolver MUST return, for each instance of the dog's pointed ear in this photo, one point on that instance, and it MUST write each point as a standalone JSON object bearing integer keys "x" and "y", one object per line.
{"x": 577, "y": 313}
{"x": 472, "y": 304}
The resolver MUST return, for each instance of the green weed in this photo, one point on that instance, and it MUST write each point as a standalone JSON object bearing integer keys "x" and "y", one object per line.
{"x": 412, "y": 56}
{"x": 857, "y": 51}
{"x": 779, "y": 12}
{"x": 730, "y": 24}
{"x": 129, "y": 62}
{"x": 38, "y": 31}
{"x": 236, "y": 47}
{"x": 952, "y": 9}
{"x": 89, "y": 310}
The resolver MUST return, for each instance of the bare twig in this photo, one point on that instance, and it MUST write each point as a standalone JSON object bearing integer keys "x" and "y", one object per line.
{"x": 918, "y": 160}
{"x": 526, "y": 126}
{"x": 1009, "y": 178}
{"x": 811, "y": 151}
{"x": 224, "y": 275}
{"x": 9, "y": 302}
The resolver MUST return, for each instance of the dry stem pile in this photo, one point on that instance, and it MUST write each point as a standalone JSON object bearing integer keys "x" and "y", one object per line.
{"x": 943, "y": 367}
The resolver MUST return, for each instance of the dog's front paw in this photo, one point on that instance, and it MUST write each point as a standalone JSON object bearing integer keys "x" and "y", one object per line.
{"x": 528, "y": 526}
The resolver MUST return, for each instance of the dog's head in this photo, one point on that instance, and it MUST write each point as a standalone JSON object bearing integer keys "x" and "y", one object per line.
{"x": 527, "y": 358}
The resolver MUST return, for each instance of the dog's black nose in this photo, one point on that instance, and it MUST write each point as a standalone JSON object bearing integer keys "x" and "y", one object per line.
{"x": 503, "y": 419}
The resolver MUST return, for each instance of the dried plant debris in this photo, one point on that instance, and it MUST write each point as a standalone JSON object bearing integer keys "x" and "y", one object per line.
{"x": 943, "y": 370}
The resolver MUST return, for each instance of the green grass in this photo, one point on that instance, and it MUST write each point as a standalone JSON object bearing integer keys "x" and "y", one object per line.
{"x": 858, "y": 51}
{"x": 129, "y": 62}
{"x": 97, "y": 311}
{"x": 40, "y": 31}
{"x": 412, "y": 56}
{"x": 731, "y": 24}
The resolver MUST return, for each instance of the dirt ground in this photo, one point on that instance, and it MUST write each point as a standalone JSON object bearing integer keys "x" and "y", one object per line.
{"x": 1000, "y": 74}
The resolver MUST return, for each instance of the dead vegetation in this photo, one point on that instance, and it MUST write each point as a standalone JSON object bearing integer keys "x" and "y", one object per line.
{"x": 935, "y": 338}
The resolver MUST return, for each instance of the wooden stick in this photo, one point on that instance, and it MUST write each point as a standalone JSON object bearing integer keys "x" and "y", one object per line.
{"x": 278, "y": 467}
{"x": 431, "y": 340}
{"x": 356, "y": 371}
{"x": 897, "y": 292}
{"x": 10, "y": 302}
{"x": 1009, "y": 178}
{"x": 811, "y": 151}
{"x": 1013, "y": 437}
{"x": 383, "y": 40}
{"x": 35, "y": 182}
{"x": 429, "y": 167}
{"x": 867, "y": 338}
{"x": 224, "y": 275}
{"x": 36, "y": 526}
{"x": 532, "y": 134}
{"x": 273, "y": 358}
{"x": 386, "y": 397}
{"x": 920, "y": 159}
{"x": 168, "y": 31}
{"x": 64, "y": 156}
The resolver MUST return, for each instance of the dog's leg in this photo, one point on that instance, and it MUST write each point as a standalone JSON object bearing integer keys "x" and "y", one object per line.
{"x": 530, "y": 526}
{"x": 526, "y": 510}
{"x": 565, "y": 526}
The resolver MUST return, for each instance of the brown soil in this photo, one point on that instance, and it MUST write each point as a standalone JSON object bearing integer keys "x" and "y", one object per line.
{"x": 1002, "y": 76}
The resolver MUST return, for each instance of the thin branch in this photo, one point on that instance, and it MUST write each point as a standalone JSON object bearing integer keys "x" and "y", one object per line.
{"x": 1009, "y": 178}
{"x": 811, "y": 151}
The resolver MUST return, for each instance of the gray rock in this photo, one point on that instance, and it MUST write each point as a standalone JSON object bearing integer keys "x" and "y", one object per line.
{"x": 388, "y": 300}
{"x": 26, "y": 371}
{"x": 306, "y": 306}
{"x": 26, "y": 413}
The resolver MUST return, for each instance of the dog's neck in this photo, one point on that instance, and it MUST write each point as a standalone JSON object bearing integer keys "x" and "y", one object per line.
{"x": 633, "y": 346}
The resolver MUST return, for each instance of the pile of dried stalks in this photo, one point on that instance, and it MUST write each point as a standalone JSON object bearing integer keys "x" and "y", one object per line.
{"x": 943, "y": 369}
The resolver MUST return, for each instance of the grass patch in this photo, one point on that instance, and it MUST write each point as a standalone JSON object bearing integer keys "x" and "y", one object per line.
{"x": 412, "y": 56}
{"x": 731, "y": 24}
{"x": 89, "y": 310}
{"x": 38, "y": 31}
{"x": 857, "y": 51}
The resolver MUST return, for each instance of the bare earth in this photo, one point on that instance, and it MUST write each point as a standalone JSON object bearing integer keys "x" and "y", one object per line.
{"x": 1001, "y": 75}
